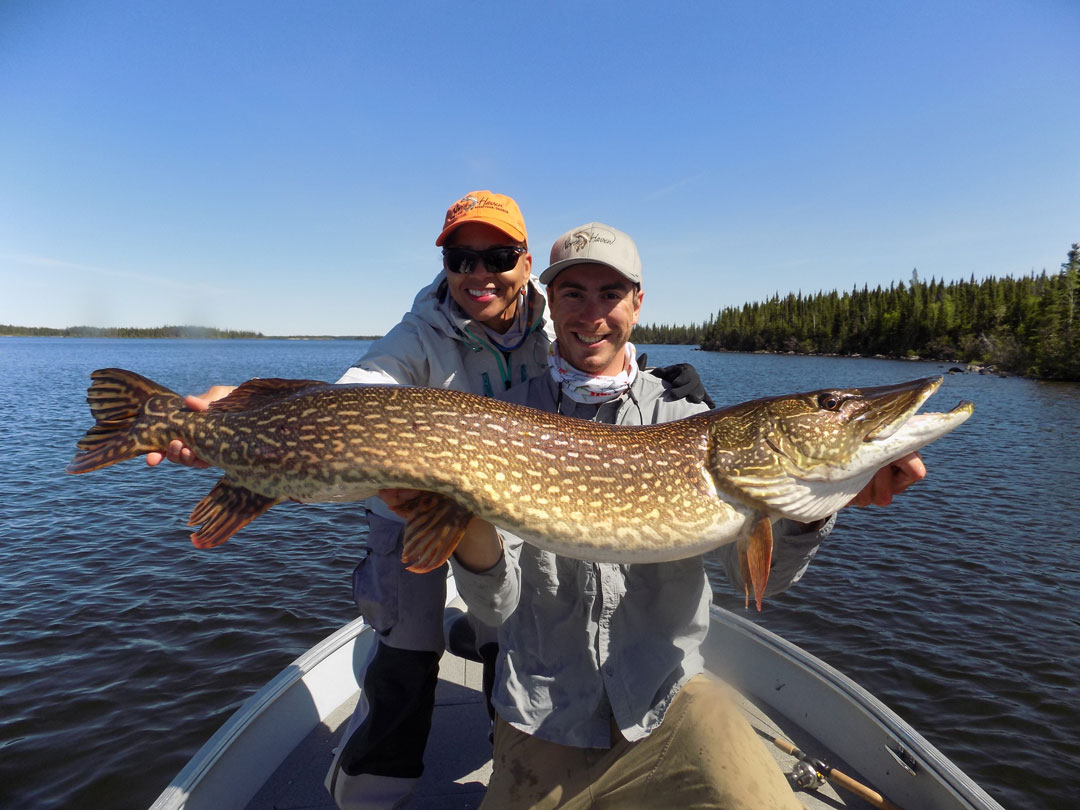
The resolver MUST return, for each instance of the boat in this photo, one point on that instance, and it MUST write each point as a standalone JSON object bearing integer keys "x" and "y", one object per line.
{"x": 840, "y": 744}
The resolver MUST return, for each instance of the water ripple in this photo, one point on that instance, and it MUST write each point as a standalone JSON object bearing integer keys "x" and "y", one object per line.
{"x": 956, "y": 605}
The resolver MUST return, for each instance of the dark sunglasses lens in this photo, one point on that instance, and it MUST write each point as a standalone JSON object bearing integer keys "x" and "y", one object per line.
{"x": 496, "y": 260}
{"x": 458, "y": 261}
{"x": 499, "y": 260}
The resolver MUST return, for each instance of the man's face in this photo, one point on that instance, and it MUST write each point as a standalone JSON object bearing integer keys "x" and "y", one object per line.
{"x": 485, "y": 296}
{"x": 594, "y": 309}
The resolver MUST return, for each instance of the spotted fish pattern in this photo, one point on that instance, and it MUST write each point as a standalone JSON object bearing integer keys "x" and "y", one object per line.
{"x": 586, "y": 490}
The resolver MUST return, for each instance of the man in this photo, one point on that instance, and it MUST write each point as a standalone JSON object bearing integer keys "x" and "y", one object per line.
{"x": 479, "y": 327}
{"x": 599, "y": 692}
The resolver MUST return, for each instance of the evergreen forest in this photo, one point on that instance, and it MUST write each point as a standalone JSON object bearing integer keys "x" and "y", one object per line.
{"x": 1028, "y": 326}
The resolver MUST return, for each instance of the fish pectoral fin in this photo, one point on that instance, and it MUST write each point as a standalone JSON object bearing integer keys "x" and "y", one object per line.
{"x": 755, "y": 559}
{"x": 258, "y": 392}
{"x": 226, "y": 509}
{"x": 434, "y": 525}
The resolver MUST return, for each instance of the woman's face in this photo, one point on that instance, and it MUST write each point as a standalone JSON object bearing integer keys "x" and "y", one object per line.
{"x": 491, "y": 298}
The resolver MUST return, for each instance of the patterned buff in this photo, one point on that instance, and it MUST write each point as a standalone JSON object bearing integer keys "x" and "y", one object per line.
{"x": 582, "y": 387}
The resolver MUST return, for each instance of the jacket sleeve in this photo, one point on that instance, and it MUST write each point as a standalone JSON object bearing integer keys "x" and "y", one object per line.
{"x": 492, "y": 595}
{"x": 793, "y": 549}
{"x": 397, "y": 357}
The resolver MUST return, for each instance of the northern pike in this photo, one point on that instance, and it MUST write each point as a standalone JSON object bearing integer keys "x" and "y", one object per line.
{"x": 591, "y": 491}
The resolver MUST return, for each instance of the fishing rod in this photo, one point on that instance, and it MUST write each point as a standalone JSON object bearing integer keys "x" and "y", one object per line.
{"x": 822, "y": 771}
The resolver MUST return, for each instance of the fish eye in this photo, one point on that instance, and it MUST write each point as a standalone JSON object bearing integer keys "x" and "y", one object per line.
{"x": 830, "y": 401}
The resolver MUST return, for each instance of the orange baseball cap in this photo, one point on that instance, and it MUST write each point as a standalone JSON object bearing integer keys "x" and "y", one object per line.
{"x": 496, "y": 210}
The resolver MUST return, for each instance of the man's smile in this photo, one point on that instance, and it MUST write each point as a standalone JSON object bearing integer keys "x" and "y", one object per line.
{"x": 590, "y": 340}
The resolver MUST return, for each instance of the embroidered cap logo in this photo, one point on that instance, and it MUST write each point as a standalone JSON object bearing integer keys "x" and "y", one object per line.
{"x": 579, "y": 240}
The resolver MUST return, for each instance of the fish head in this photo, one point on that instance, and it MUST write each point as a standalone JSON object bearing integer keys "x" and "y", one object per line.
{"x": 804, "y": 456}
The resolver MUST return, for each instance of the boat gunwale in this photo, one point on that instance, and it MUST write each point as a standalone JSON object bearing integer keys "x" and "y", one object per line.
{"x": 203, "y": 763}
{"x": 925, "y": 754}
{"x": 182, "y": 790}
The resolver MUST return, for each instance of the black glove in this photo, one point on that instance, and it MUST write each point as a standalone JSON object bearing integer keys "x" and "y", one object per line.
{"x": 684, "y": 381}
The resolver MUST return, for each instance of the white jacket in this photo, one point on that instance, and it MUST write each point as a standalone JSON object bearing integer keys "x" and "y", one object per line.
{"x": 434, "y": 345}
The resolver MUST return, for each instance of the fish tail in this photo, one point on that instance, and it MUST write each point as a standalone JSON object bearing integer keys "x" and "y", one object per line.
{"x": 118, "y": 399}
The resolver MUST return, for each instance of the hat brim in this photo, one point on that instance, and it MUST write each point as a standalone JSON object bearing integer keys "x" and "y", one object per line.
{"x": 513, "y": 233}
{"x": 553, "y": 270}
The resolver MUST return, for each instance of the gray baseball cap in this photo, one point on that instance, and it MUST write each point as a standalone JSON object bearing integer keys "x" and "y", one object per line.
{"x": 594, "y": 243}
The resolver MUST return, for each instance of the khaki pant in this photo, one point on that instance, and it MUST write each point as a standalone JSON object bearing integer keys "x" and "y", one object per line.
{"x": 704, "y": 755}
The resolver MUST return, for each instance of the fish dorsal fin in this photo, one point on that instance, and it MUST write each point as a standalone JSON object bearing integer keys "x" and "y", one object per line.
{"x": 258, "y": 392}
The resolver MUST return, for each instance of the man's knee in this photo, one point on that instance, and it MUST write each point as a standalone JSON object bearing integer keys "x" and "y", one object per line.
{"x": 714, "y": 741}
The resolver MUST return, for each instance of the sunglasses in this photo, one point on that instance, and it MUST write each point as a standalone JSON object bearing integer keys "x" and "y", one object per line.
{"x": 496, "y": 259}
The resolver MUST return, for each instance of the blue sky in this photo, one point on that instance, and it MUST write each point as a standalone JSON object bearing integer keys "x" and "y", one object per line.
{"x": 285, "y": 167}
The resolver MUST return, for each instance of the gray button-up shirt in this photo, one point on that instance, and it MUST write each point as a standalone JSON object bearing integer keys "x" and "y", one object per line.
{"x": 582, "y": 643}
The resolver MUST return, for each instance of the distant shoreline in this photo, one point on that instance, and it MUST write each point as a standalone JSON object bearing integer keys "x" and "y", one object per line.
{"x": 955, "y": 365}
{"x": 162, "y": 333}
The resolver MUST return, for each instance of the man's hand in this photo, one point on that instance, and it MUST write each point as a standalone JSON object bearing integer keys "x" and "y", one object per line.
{"x": 683, "y": 378}
{"x": 890, "y": 481}
{"x": 178, "y": 452}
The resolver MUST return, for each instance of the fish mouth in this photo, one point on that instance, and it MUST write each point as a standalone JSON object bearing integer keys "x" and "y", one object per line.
{"x": 923, "y": 428}
{"x": 902, "y": 430}
{"x": 898, "y": 404}
{"x": 902, "y": 425}
{"x": 886, "y": 427}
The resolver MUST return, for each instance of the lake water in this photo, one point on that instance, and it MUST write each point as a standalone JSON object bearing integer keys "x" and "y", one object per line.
{"x": 123, "y": 648}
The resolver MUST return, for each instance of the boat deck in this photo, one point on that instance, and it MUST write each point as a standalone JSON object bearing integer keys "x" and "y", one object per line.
{"x": 458, "y": 757}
